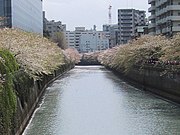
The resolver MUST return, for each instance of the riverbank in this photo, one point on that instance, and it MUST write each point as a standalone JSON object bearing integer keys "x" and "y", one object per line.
{"x": 153, "y": 62}
{"x": 92, "y": 100}
{"x": 29, "y": 99}
{"x": 28, "y": 64}
{"x": 150, "y": 79}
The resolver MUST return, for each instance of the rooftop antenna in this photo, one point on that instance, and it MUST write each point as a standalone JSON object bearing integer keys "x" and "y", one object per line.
{"x": 110, "y": 14}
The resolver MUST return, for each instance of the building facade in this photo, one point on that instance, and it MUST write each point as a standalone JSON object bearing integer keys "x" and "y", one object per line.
{"x": 113, "y": 33}
{"x": 53, "y": 27}
{"x": 165, "y": 17}
{"x": 93, "y": 41}
{"x": 73, "y": 37}
{"x": 87, "y": 40}
{"x": 128, "y": 20}
{"x": 70, "y": 39}
{"x": 24, "y": 14}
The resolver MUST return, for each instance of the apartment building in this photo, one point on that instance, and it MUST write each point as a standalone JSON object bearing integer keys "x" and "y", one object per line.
{"x": 23, "y": 14}
{"x": 53, "y": 27}
{"x": 91, "y": 41}
{"x": 87, "y": 40}
{"x": 128, "y": 20}
{"x": 73, "y": 37}
{"x": 165, "y": 17}
{"x": 70, "y": 39}
{"x": 113, "y": 33}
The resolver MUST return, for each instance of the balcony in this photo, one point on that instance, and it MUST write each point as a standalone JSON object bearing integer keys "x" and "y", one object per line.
{"x": 151, "y": 25}
{"x": 158, "y": 3}
{"x": 150, "y": 1}
{"x": 126, "y": 21}
{"x": 152, "y": 17}
{"x": 168, "y": 8}
{"x": 163, "y": 31}
{"x": 126, "y": 17}
{"x": 125, "y": 13}
{"x": 173, "y": 18}
{"x": 160, "y": 12}
{"x": 173, "y": 7}
{"x": 126, "y": 34}
{"x": 130, "y": 25}
{"x": 176, "y": 29}
{"x": 170, "y": 18}
{"x": 161, "y": 21}
{"x": 168, "y": 30}
{"x": 126, "y": 30}
{"x": 151, "y": 8}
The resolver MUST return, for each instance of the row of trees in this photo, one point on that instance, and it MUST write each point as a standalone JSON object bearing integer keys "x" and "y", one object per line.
{"x": 144, "y": 51}
{"x": 60, "y": 40}
{"x": 58, "y": 37}
{"x": 31, "y": 55}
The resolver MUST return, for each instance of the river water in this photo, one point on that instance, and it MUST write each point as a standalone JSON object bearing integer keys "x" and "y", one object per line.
{"x": 93, "y": 101}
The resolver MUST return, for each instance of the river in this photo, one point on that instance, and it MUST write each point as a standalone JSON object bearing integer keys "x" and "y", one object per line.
{"x": 90, "y": 100}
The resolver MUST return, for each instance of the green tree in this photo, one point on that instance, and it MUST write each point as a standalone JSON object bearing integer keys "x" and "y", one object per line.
{"x": 8, "y": 67}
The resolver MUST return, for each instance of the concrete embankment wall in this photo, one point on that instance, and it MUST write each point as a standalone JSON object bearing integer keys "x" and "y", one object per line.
{"x": 85, "y": 62}
{"x": 89, "y": 59}
{"x": 151, "y": 79}
{"x": 29, "y": 94}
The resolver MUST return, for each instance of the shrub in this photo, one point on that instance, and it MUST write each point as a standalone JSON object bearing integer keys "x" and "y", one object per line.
{"x": 8, "y": 66}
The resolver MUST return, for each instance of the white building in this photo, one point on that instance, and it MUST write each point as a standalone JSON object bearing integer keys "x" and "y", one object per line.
{"x": 165, "y": 17}
{"x": 93, "y": 41}
{"x": 87, "y": 40}
{"x": 73, "y": 37}
{"x": 70, "y": 39}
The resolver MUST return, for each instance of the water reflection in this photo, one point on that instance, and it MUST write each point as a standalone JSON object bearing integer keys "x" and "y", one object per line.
{"x": 93, "y": 101}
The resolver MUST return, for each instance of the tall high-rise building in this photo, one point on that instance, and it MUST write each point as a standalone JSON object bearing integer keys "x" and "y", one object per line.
{"x": 165, "y": 17}
{"x": 24, "y": 14}
{"x": 128, "y": 20}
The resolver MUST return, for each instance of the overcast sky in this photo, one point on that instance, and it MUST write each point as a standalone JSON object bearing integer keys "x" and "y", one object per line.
{"x": 87, "y": 13}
